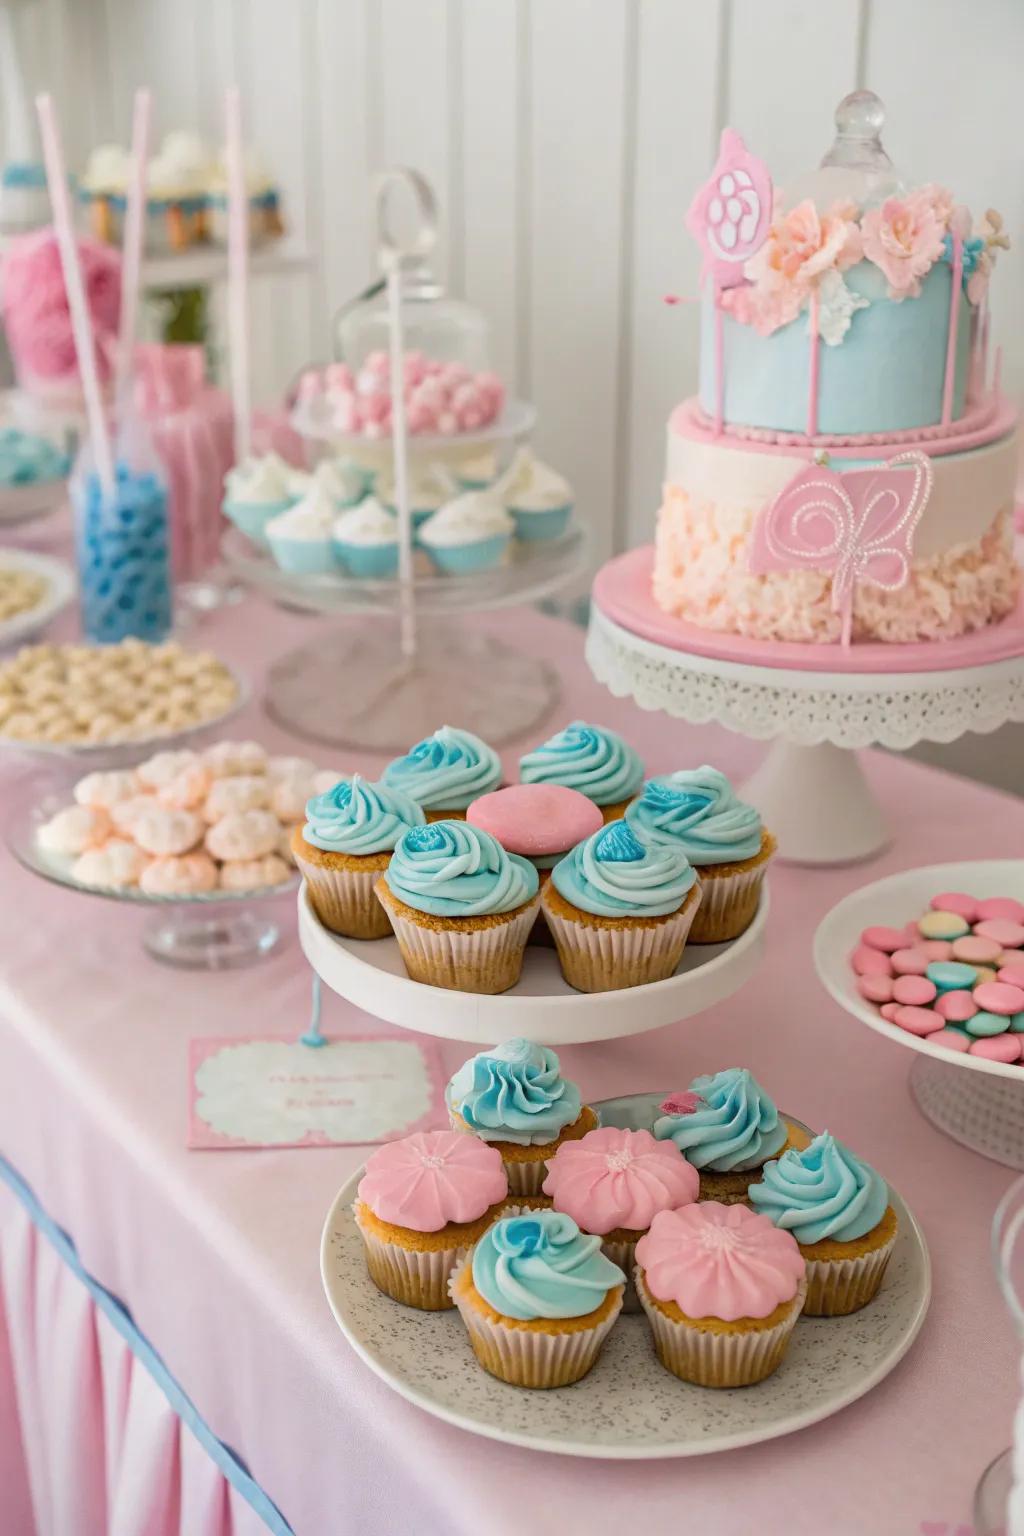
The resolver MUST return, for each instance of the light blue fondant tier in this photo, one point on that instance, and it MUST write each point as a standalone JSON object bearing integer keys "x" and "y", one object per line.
{"x": 886, "y": 374}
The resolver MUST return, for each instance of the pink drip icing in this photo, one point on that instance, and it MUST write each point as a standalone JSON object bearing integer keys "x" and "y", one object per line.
{"x": 812, "y": 397}
{"x": 954, "y": 323}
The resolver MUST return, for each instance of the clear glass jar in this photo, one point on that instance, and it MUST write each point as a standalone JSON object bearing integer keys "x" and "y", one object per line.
{"x": 445, "y": 330}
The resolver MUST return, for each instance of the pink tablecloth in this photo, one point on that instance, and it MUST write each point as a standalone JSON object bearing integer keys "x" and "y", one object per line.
{"x": 216, "y": 1253}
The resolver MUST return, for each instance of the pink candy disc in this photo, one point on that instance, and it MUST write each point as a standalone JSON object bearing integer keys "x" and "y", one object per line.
{"x": 957, "y": 1007}
{"x": 975, "y": 950}
{"x": 955, "y": 901}
{"x": 997, "y": 1047}
{"x": 1007, "y": 934}
{"x": 999, "y": 997}
{"x": 935, "y": 949}
{"x": 951, "y": 1039}
{"x": 916, "y": 990}
{"x": 919, "y": 1021}
{"x": 886, "y": 939}
{"x": 1012, "y": 974}
{"x": 877, "y": 989}
{"x": 889, "y": 1011}
{"x": 870, "y": 962}
{"x": 537, "y": 819}
{"x": 1002, "y": 907}
{"x": 909, "y": 962}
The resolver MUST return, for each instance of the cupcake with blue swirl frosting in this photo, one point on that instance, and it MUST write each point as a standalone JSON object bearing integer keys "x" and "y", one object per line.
{"x": 837, "y": 1208}
{"x": 619, "y": 910}
{"x": 461, "y": 907}
{"x": 538, "y": 1298}
{"x": 515, "y": 1097}
{"x": 696, "y": 809}
{"x": 728, "y": 1128}
{"x": 343, "y": 847}
{"x": 590, "y": 759}
{"x": 445, "y": 772}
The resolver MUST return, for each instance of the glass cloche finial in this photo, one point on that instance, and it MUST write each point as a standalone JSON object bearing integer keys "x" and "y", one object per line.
{"x": 858, "y": 142}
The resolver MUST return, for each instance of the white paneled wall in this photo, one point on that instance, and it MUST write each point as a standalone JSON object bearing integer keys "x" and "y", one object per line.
{"x": 564, "y": 139}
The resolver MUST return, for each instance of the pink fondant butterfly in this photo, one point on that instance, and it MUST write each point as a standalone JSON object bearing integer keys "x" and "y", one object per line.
{"x": 858, "y": 525}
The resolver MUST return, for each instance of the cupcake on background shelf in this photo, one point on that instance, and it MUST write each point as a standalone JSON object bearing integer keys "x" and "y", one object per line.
{"x": 461, "y": 907}
{"x": 595, "y": 761}
{"x": 103, "y": 191}
{"x": 420, "y": 1205}
{"x": 445, "y": 772}
{"x": 366, "y": 540}
{"x": 837, "y": 1208}
{"x": 176, "y": 180}
{"x": 342, "y": 848}
{"x": 301, "y": 539}
{"x": 515, "y": 1097}
{"x": 539, "y": 499}
{"x": 613, "y": 1182}
{"x": 538, "y": 1299}
{"x": 468, "y": 535}
{"x": 722, "y": 1289}
{"x": 697, "y": 809}
{"x": 620, "y": 910}
{"x": 728, "y": 1128}
{"x": 259, "y": 489}
{"x": 265, "y": 221}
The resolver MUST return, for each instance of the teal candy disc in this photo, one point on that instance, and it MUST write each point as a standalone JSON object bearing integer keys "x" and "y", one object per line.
{"x": 1017, "y": 1023}
{"x": 988, "y": 1024}
{"x": 951, "y": 976}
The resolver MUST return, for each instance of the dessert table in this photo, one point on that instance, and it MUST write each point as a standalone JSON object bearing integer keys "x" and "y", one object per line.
{"x": 215, "y": 1253}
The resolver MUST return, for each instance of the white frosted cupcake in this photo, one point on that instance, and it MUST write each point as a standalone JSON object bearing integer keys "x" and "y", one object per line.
{"x": 538, "y": 497}
{"x": 467, "y": 535}
{"x": 345, "y": 481}
{"x": 257, "y": 490}
{"x": 430, "y": 486}
{"x": 366, "y": 540}
{"x": 301, "y": 539}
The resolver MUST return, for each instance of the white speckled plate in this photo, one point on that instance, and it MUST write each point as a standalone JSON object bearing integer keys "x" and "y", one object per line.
{"x": 628, "y": 1406}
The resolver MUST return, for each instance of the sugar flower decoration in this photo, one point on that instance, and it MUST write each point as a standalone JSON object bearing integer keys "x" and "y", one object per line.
{"x": 905, "y": 237}
{"x": 802, "y": 246}
{"x": 837, "y": 305}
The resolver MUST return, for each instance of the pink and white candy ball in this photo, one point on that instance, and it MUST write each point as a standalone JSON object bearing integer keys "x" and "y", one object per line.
{"x": 443, "y": 399}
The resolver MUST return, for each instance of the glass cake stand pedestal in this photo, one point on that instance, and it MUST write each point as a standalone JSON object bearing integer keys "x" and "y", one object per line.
{"x": 352, "y": 686}
{"x": 816, "y": 704}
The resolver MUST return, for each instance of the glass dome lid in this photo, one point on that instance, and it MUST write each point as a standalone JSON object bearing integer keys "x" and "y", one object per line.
{"x": 856, "y": 168}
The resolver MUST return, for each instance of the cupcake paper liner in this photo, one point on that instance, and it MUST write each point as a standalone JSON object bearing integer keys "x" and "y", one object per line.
{"x": 524, "y": 1177}
{"x": 416, "y": 1277}
{"x": 532, "y": 1357}
{"x": 728, "y": 905}
{"x": 836, "y": 1287}
{"x": 717, "y": 1359}
{"x": 623, "y": 1253}
{"x": 485, "y": 959}
{"x": 604, "y": 959}
{"x": 345, "y": 900}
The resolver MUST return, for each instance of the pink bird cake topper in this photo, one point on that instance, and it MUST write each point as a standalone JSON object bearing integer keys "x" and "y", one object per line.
{"x": 858, "y": 525}
{"x": 730, "y": 215}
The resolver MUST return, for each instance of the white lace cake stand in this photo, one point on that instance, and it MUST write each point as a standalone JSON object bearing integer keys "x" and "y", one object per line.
{"x": 541, "y": 1006}
{"x": 810, "y": 788}
{"x": 978, "y": 1103}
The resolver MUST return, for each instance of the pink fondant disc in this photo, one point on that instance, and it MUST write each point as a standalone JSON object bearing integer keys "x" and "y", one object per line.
{"x": 976, "y": 950}
{"x": 997, "y": 1047}
{"x": 999, "y": 997}
{"x": 916, "y": 990}
{"x": 1002, "y": 906}
{"x": 956, "y": 901}
{"x": 950, "y": 1039}
{"x": 919, "y": 1021}
{"x": 536, "y": 819}
{"x": 910, "y": 962}
{"x": 1002, "y": 930}
{"x": 957, "y": 1007}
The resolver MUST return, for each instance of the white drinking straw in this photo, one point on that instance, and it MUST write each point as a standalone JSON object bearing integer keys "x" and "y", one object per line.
{"x": 133, "y": 226}
{"x": 81, "y": 325}
{"x": 238, "y": 273}
{"x": 400, "y": 447}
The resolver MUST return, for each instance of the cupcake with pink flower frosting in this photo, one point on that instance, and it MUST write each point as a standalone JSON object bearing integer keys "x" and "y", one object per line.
{"x": 722, "y": 1289}
{"x": 613, "y": 1182}
{"x": 421, "y": 1205}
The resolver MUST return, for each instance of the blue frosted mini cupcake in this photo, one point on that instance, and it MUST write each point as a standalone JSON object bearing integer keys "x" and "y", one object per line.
{"x": 460, "y": 906}
{"x": 515, "y": 1097}
{"x": 837, "y": 1208}
{"x": 467, "y": 535}
{"x": 344, "y": 846}
{"x": 728, "y": 1128}
{"x": 445, "y": 772}
{"x": 697, "y": 810}
{"x": 366, "y": 540}
{"x": 345, "y": 482}
{"x": 301, "y": 539}
{"x": 590, "y": 759}
{"x": 430, "y": 486}
{"x": 257, "y": 490}
{"x": 539, "y": 499}
{"x": 619, "y": 910}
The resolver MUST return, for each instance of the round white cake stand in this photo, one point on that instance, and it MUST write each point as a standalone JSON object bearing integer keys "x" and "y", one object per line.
{"x": 810, "y": 789}
{"x": 978, "y": 1103}
{"x": 541, "y": 1006}
{"x": 351, "y": 686}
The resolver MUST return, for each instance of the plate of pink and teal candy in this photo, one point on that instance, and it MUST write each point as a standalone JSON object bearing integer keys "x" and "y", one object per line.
{"x": 934, "y": 959}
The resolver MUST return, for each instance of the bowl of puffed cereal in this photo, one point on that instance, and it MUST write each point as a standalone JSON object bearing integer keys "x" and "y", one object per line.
{"x": 112, "y": 703}
{"x": 33, "y": 590}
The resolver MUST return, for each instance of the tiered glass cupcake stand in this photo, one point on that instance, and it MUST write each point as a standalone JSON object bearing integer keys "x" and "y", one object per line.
{"x": 815, "y": 703}
{"x": 978, "y": 1103}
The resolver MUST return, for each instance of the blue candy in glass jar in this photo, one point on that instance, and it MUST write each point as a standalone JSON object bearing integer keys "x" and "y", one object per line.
{"x": 123, "y": 547}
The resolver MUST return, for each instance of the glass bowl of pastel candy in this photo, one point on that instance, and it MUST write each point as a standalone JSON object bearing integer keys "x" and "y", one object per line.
{"x": 953, "y": 975}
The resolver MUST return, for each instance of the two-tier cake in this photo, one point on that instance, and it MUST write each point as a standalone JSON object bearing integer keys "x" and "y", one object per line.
{"x": 847, "y": 469}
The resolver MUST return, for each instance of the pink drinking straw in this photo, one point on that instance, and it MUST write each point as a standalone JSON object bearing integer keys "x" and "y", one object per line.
{"x": 81, "y": 325}
{"x": 133, "y": 225}
{"x": 238, "y": 274}
{"x": 812, "y": 393}
{"x": 951, "y": 333}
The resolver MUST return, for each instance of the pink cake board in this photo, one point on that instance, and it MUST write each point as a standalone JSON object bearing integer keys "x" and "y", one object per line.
{"x": 622, "y": 590}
